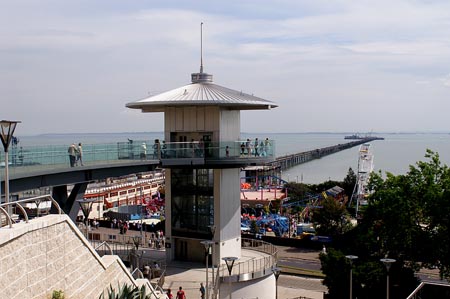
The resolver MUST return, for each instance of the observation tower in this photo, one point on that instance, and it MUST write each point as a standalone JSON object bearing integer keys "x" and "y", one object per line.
{"x": 202, "y": 154}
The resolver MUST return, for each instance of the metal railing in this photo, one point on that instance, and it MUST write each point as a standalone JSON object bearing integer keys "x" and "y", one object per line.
{"x": 257, "y": 264}
{"x": 215, "y": 150}
{"x": 37, "y": 158}
{"x": 105, "y": 244}
{"x": 29, "y": 207}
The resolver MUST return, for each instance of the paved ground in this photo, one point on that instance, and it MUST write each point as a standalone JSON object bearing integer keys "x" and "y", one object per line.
{"x": 189, "y": 275}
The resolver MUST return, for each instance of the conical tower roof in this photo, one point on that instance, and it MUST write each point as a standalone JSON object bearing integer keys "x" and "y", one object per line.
{"x": 202, "y": 92}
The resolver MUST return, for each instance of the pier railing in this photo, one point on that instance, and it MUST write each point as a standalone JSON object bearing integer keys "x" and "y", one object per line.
{"x": 252, "y": 268}
{"x": 288, "y": 161}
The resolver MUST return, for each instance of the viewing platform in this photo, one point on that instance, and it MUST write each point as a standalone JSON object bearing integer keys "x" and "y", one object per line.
{"x": 27, "y": 161}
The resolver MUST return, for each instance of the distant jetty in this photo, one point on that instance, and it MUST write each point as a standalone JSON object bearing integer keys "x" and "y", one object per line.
{"x": 360, "y": 137}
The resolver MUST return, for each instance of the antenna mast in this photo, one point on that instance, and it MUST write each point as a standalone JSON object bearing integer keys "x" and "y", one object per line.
{"x": 201, "y": 47}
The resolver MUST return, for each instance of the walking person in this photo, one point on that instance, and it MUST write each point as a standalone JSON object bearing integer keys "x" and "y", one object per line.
{"x": 80, "y": 155}
{"x": 180, "y": 294}
{"x": 169, "y": 294}
{"x": 202, "y": 291}
{"x": 72, "y": 154}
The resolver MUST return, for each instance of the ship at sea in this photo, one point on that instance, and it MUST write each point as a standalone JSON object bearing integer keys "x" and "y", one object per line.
{"x": 359, "y": 137}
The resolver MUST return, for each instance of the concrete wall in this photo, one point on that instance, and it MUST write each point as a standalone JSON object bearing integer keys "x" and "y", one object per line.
{"x": 50, "y": 253}
{"x": 227, "y": 212}
{"x": 262, "y": 288}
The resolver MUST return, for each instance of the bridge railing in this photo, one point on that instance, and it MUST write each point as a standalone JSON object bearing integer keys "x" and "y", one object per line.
{"x": 36, "y": 158}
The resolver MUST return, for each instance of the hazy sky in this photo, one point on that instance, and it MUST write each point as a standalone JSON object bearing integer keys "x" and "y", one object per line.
{"x": 339, "y": 66}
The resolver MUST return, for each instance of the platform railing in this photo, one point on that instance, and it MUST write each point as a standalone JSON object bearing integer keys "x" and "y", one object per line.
{"x": 216, "y": 150}
{"x": 29, "y": 207}
{"x": 27, "y": 159}
{"x": 266, "y": 262}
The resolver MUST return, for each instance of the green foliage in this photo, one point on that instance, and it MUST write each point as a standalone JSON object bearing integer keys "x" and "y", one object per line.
{"x": 59, "y": 294}
{"x": 331, "y": 219}
{"x": 254, "y": 227}
{"x": 349, "y": 182}
{"x": 126, "y": 292}
{"x": 297, "y": 191}
{"x": 407, "y": 219}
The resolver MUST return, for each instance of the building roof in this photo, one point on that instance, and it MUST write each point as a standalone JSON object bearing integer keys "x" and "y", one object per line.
{"x": 202, "y": 92}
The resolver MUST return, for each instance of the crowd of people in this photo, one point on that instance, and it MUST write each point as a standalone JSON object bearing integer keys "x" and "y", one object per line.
{"x": 255, "y": 148}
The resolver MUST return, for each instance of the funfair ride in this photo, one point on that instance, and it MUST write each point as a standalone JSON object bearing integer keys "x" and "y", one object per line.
{"x": 365, "y": 167}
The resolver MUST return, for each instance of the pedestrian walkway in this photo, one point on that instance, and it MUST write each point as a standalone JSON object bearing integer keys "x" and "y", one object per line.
{"x": 189, "y": 275}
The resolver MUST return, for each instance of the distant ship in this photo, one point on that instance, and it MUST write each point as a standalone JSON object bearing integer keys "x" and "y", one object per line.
{"x": 359, "y": 137}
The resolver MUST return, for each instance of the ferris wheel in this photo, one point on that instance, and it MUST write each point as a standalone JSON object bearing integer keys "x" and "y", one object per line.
{"x": 365, "y": 167}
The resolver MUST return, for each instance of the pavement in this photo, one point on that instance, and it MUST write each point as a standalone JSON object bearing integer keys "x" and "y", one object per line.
{"x": 189, "y": 275}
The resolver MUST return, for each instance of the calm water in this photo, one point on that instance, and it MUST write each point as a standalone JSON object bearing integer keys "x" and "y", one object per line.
{"x": 394, "y": 154}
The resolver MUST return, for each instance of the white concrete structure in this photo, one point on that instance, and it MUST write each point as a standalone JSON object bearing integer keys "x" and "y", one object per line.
{"x": 50, "y": 254}
{"x": 203, "y": 158}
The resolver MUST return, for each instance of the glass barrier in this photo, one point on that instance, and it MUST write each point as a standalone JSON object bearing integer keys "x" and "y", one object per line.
{"x": 44, "y": 158}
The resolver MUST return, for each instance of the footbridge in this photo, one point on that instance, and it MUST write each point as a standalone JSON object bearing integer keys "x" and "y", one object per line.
{"x": 45, "y": 166}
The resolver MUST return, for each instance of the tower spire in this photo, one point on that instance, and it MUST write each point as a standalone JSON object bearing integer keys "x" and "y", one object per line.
{"x": 201, "y": 77}
{"x": 201, "y": 47}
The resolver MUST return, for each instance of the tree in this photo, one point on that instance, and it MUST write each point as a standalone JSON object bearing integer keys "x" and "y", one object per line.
{"x": 331, "y": 219}
{"x": 407, "y": 218}
{"x": 349, "y": 182}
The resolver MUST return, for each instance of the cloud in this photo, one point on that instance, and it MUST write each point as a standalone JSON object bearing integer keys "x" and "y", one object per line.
{"x": 312, "y": 57}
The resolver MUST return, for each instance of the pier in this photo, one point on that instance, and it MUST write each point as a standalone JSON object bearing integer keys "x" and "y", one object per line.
{"x": 288, "y": 161}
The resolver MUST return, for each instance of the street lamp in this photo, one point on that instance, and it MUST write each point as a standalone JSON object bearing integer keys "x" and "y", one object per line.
{"x": 86, "y": 207}
{"x": 7, "y": 128}
{"x": 351, "y": 258}
{"x": 387, "y": 263}
{"x": 212, "y": 228}
{"x": 208, "y": 244}
{"x": 276, "y": 271}
{"x": 229, "y": 261}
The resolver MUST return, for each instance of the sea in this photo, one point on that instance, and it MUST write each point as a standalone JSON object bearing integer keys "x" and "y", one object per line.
{"x": 394, "y": 154}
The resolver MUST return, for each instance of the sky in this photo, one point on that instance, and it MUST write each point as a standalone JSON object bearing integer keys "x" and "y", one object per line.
{"x": 331, "y": 66}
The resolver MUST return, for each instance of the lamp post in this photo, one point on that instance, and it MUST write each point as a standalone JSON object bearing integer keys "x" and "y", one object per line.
{"x": 212, "y": 228}
{"x": 208, "y": 244}
{"x": 136, "y": 242}
{"x": 229, "y": 261}
{"x": 276, "y": 271}
{"x": 86, "y": 207}
{"x": 7, "y": 128}
{"x": 387, "y": 263}
{"x": 351, "y": 258}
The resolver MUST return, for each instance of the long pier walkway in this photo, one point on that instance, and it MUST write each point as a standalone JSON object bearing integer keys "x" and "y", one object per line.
{"x": 288, "y": 161}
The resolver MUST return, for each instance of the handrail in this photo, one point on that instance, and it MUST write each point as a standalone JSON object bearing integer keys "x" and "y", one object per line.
{"x": 140, "y": 275}
{"x": 7, "y": 217}
{"x": 37, "y": 200}
{"x": 422, "y": 284}
{"x": 104, "y": 243}
{"x": 256, "y": 264}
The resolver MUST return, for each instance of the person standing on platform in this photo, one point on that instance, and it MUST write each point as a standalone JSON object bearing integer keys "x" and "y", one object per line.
{"x": 72, "y": 154}
{"x": 143, "y": 151}
{"x": 80, "y": 155}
